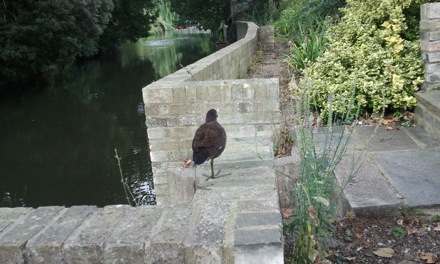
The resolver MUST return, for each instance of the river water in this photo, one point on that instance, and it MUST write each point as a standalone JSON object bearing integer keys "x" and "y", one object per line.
{"x": 57, "y": 143}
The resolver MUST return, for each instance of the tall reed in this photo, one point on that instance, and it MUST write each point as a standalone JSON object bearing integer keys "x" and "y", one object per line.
{"x": 320, "y": 148}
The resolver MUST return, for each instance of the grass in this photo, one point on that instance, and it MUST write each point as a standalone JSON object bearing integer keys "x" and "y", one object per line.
{"x": 307, "y": 48}
{"x": 316, "y": 192}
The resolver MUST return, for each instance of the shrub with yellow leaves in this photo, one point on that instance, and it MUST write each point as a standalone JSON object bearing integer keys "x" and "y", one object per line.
{"x": 369, "y": 62}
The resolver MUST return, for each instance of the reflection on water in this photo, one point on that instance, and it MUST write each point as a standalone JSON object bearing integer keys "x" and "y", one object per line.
{"x": 57, "y": 142}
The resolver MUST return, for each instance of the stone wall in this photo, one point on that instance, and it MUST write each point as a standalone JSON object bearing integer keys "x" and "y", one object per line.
{"x": 175, "y": 106}
{"x": 427, "y": 112}
{"x": 430, "y": 44}
{"x": 231, "y": 62}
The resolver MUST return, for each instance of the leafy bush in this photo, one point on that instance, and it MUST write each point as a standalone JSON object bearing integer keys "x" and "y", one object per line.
{"x": 44, "y": 36}
{"x": 370, "y": 59}
{"x": 305, "y": 14}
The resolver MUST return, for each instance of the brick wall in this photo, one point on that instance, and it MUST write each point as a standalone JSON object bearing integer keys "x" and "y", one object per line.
{"x": 176, "y": 105}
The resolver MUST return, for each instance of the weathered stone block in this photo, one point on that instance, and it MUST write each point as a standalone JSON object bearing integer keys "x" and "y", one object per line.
{"x": 156, "y": 121}
{"x": 266, "y": 37}
{"x": 46, "y": 247}
{"x": 259, "y": 254}
{"x": 181, "y": 184}
{"x": 429, "y": 25}
{"x": 247, "y": 237}
{"x": 226, "y": 91}
{"x": 430, "y": 11}
{"x": 251, "y": 206}
{"x": 130, "y": 240}
{"x": 210, "y": 229}
{"x": 430, "y": 86}
{"x": 191, "y": 94}
{"x": 214, "y": 93}
{"x": 161, "y": 95}
{"x": 431, "y": 56}
{"x": 157, "y": 155}
{"x": 10, "y": 215}
{"x": 429, "y": 35}
{"x": 13, "y": 241}
{"x": 258, "y": 219}
{"x": 167, "y": 243}
{"x": 204, "y": 254}
{"x": 179, "y": 95}
{"x": 432, "y": 77}
{"x": 86, "y": 243}
{"x": 432, "y": 67}
{"x": 430, "y": 45}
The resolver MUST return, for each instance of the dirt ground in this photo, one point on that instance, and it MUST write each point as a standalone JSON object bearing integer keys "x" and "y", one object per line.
{"x": 408, "y": 238}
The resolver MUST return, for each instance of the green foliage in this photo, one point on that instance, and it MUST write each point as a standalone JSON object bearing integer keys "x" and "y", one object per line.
{"x": 368, "y": 60}
{"x": 165, "y": 19}
{"x": 261, "y": 12}
{"x": 399, "y": 232}
{"x": 300, "y": 14}
{"x": 315, "y": 191}
{"x": 207, "y": 14}
{"x": 39, "y": 38}
{"x": 308, "y": 49}
{"x": 130, "y": 21}
{"x": 45, "y": 36}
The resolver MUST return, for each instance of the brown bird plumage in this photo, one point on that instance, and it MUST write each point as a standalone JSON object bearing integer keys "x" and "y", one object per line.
{"x": 209, "y": 141}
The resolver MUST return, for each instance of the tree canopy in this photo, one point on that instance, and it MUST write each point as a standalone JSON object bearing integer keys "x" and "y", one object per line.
{"x": 43, "y": 37}
{"x": 207, "y": 13}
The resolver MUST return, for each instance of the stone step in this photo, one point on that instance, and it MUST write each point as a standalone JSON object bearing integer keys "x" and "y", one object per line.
{"x": 382, "y": 170}
{"x": 427, "y": 112}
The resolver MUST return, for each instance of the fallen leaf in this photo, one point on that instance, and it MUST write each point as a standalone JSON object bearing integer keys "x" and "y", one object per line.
{"x": 287, "y": 213}
{"x": 389, "y": 128}
{"x": 312, "y": 215}
{"x": 428, "y": 257}
{"x": 419, "y": 231}
{"x": 186, "y": 163}
{"x": 438, "y": 227}
{"x": 386, "y": 121}
{"x": 411, "y": 230}
{"x": 400, "y": 222}
{"x": 384, "y": 252}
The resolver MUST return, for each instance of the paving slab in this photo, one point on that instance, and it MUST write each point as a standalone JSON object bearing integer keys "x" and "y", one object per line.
{"x": 415, "y": 173}
{"x": 366, "y": 188}
{"x": 376, "y": 138}
{"x": 398, "y": 167}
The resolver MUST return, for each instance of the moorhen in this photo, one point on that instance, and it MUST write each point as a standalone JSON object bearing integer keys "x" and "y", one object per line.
{"x": 209, "y": 141}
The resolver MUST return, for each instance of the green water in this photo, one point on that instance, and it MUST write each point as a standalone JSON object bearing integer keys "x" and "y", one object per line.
{"x": 57, "y": 142}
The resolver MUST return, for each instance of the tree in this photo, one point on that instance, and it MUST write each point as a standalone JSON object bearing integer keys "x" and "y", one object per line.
{"x": 40, "y": 37}
{"x": 207, "y": 13}
{"x": 131, "y": 20}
